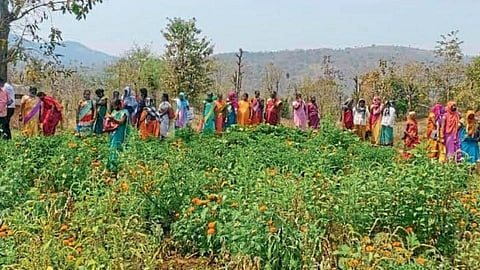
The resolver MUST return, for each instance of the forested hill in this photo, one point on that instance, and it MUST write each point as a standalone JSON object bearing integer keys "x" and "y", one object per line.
{"x": 301, "y": 63}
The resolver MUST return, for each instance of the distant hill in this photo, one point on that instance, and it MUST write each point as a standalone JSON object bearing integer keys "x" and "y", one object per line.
{"x": 300, "y": 63}
{"x": 75, "y": 54}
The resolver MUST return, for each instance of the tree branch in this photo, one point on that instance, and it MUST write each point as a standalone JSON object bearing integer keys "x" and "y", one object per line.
{"x": 17, "y": 15}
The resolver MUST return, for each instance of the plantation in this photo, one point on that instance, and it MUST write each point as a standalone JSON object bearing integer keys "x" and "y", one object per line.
{"x": 260, "y": 198}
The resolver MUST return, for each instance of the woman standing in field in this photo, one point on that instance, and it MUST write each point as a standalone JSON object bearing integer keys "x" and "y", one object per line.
{"x": 117, "y": 137}
{"x": 115, "y": 96}
{"x": 182, "y": 111}
{"x": 30, "y": 113}
{"x": 101, "y": 105}
{"x": 360, "y": 119}
{"x": 166, "y": 115}
{"x": 258, "y": 105}
{"x": 299, "y": 112}
{"x": 232, "y": 107}
{"x": 469, "y": 136}
{"x": 244, "y": 111}
{"x": 220, "y": 107}
{"x": 209, "y": 114}
{"x": 148, "y": 124}
{"x": 451, "y": 127}
{"x": 375, "y": 120}
{"x": 313, "y": 114}
{"x": 388, "y": 121}
{"x": 50, "y": 115}
{"x": 85, "y": 114}
{"x": 410, "y": 134}
{"x": 432, "y": 135}
{"x": 130, "y": 104}
{"x": 347, "y": 115}
{"x": 273, "y": 110}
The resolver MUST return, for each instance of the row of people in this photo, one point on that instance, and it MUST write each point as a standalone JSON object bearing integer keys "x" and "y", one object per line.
{"x": 219, "y": 114}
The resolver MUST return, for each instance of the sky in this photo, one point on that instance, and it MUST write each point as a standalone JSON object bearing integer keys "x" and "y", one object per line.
{"x": 271, "y": 25}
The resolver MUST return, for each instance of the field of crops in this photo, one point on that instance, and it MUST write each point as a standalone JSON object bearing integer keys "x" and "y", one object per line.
{"x": 260, "y": 198}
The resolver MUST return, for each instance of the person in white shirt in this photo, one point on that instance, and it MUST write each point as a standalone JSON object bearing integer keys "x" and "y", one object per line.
{"x": 10, "y": 109}
{"x": 360, "y": 118}
{"x": 388, "y": 121}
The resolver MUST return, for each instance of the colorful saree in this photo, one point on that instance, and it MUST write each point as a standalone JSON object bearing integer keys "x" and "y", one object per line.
{"x": 411, "y": 133}
{"x": 375, "y": 121}
{"x": 208, "y": 117}
{"x": 469, "y": 136}
{"x": 273, "y": 110}
{"x": 220, "y": 106}
{"x": 117, "y": 138}
{"x": 244, "y": 113}
{"x": 313, "y": 115}
{"x": 148, "y": 124}
{"x": 258, "y": 105}
{"x": 452, "y": 121}
{"x": 51, "y": 115}
{"x": 86, "y": 114}
{"x": 102, "y": 108}
{"x": 31, "y": 107}
{"x": 300, "y": 114}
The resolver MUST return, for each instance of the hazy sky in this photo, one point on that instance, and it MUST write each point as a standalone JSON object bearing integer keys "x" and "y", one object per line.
{"x": 263, "y": 25}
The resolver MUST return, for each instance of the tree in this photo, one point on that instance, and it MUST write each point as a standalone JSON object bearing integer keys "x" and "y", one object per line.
{"x": 237, "y": 77}
{"x": 468, "y": 93}
{"x": 32, "y": 13}
{"x": 272, "y": 76}
{"x": 138, "y": 68}
{"x": 188, "y": 63}
{"x": 450, "y": 72}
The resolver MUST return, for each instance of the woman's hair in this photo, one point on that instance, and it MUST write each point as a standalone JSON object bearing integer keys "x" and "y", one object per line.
{"x": 41, "y": 94}
{"x": 33, "y": 90}
{"x": 143, "y": 92}
{"x": 86, "y": 91}
{"x": 165, "y": 97}
{"x": 99, "y": 91}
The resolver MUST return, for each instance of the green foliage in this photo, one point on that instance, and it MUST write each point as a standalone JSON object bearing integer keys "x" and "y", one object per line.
{"x": 138, "y": 68}
{"x": 188, "y": 63}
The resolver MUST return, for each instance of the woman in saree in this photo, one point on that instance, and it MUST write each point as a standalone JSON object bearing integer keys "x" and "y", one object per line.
{"x": 432, "y": 134}
{"x": 130, "y": 104}
{"x": 388, "y": 121}
{"x": 313, "y": 114}
{"x": 148, "y": 124}
{"x": 347, "y": 115}
{"x": 102, "y": 107}
{"x": 182, "y": 111}
{"x": 118, "y": 136}
{"x": 360, "y": 119}
{"x": 209, "y": 114}
{"x": 50, "y": 115}
{"x": 30, "y": 113}
{"x": 244, "y": 111}
{"x": 375, "y": 120}
{"x": 273, "y": 110}
{"x": 451, "y": 128}
{"x": 231, "y": 110}
{"x": 410, "y": 134}
{"x": 220, "y": 117}
{"x": 469, "y": 136}
{"x": 85, "y": 114}
{"x": 258, "y": 105}
{"x": 115, "y": 96}
{"x": 300, "y": 112}
{"x": 165, "y": 111}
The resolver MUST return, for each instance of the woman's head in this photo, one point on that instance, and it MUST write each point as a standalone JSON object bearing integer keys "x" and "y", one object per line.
{"x": 32, "y": 90}
{"x": 220, "y": 97}
{"x": 181, "y": 95}
{"x": 116, "y": 94}
{"x": 232, "y": 95}
{"x": 143, "y": 93}
{"x": 164, "y": 97}
{"x": 361, "y": 103}
{"x": 41, "y": 95}
{"x": 412, "y": 115}
{"x": 298, "y": 96}
{"x": 99, "y": 92}
{"x": 86, "y": 94}
{"x": 257, "y": 94}
{"x": 245, "y": 96}
{"x": 451, "y": 106}
{"x": 273, "y": 95}
{"x": 313, "y": 99}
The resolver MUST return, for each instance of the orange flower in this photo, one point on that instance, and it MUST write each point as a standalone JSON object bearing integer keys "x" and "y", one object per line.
{"x": 70, "y": 258}
{"x": 211, "y": 225}
{"x": 177, "y": 215}
{"x": 272, "y": 229}
{"x": 72, "y": 145}
{"x": 462, "y": 223}
{"x": 396, "y": 244}
{"x": 262, "y": 208}
{"x": 420, "y": 260}
{"x": 195, "y": 201}
{"x": 79, "y": 250}
{"x": 64, "y": 227}
{"x": 96, "y": 163}
{"x": 369, "y": 248}
{"x": 409, "y": 229}
{"x": 270, "y": 222}
{"x": 473, "y": 211}
{"x": 124, "y": 186}
{"x": 354, "y": 263}
{"x": 212, "y": 197}
{"x": 388, "y": 254}
{"x": 474, "y": 225}
{"x": 9, "y": 232}
{"x": 4, "y": 227}
{"x": 234, "y": 205}
{"x": 211, "y": 231}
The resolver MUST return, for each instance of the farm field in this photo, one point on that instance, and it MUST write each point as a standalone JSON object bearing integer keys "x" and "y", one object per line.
{"x": 255, "y": 198}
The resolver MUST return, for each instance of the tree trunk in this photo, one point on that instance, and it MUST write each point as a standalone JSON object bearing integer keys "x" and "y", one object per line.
{"x": 4, "y": 31}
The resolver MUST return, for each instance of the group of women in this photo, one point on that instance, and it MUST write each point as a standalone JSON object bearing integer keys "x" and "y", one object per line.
{"x": 450, "y": 136}
{"x": 219, "y": 114}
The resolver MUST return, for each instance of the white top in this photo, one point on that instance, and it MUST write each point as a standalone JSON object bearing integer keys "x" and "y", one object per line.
{"x": 388, "y": 119}
{"x": 360, "y": 118}
{"x": 11, "y": 95}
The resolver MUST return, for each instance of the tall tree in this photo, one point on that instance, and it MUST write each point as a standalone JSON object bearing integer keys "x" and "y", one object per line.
{"x": 238, "y": 74}
{"x": 32, "y": 13}
{"x": 272, "y": 76}
{"x": 188, "y": 63}
{"x": 451, "y": 72}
